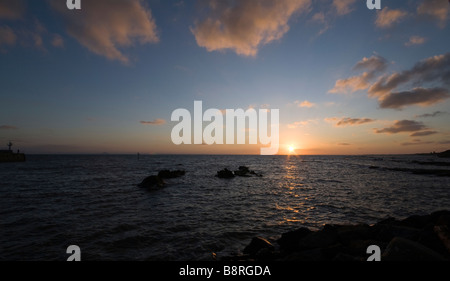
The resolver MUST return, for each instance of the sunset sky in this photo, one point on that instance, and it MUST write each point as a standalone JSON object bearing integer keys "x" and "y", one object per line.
{"x": 106, "y": 78}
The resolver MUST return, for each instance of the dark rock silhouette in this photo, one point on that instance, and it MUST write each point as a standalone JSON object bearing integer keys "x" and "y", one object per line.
{"x": 156, "y": 182}
{"x": 445, "y": 154}
{"x": 416, "y": 238}
{"x": 152, "y": 182}
{"x": 243, "y": 171}
{"x": 257, "y": 245}
{"x": 225, "y": 174}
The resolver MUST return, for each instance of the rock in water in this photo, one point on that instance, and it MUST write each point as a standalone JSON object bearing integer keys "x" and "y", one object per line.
{"x": 258, "y": 244}
{"x": 152, "y": 182}
{"x": 225, "y": 174}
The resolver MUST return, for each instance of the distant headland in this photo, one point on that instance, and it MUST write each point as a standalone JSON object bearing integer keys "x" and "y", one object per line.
{"x": 10, "y": 156}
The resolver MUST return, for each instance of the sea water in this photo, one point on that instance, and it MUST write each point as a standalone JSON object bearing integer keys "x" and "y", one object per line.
{"x": 53, "y": 201}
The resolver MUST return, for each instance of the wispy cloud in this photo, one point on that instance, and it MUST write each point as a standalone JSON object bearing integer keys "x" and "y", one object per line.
{"x": 437, "y": 10}
{"x": 423, "y": 133}
{"x": 402, "y": 126}
{"x": 415, "y": 40}
{"x": 8, "y": 127}
{"x": 344, "y": 7}
{"x": 434, "y": 114}
{"x": 7, "y": 36}
{"x": 122, "y": 24}
{"x": 346, "y": 121}
{"x": 386, "y": 18}
{"x": 297, "y": 124}
{"x": 155, "y": 122}
{"x": 305, "y": 103}
{"x": 246, "y": 25}
{"x": 12, "y": 10}
{"x": 57, "y": 41}
{"x": 417, "y": 143}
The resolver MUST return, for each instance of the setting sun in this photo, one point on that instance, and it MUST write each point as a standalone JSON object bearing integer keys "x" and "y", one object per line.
{"x": 291, "y": 149}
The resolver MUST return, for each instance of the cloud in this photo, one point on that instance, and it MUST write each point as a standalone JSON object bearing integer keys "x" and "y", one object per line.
{"x": 343, "y": 7}
{"x": 434, "y": 114}
{"x": 346, "y": 121}
{"x": 12, "y": 10}
{"x": 8, "y": 127}
{"x": 351, "y": 85}
{"x": 386, "y": 18}
{"x": 415, "y": 40}
{"x": 344, "y": 144}
{"x": 435, "y": 9}
{"x": 423, "y": 133}
{"x": 416, "y": 96}
{"x": 57, "y": 41}
{"x": 301, "y": 123}
{"x": 246, "y": 25}
{"x": 417, "y": 143}
{"x": 373, "y": 65}
{"x": 305, "y": 104}
{"x": 402, "y": 126}
{"x": 105, "y": 27}
{"x": 433, "y": 69}
{"x": 7, "y": 36}
{"x": 155, "y": 122}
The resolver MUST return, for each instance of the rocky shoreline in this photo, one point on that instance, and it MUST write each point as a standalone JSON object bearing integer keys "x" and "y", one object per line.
{"x": 416, "y": 238}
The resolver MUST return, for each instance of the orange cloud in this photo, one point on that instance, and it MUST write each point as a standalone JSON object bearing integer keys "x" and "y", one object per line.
{"x": 58, "y": 41}
{"x": 351, "y": 85}
{"x": 105, "y": 27}
{"x": 243, "y": 26}
{"x": 387, "y": 18}
{"x": 305, "y": 104}
{"x": 435, "y": 9}
{"x": 12, "y": 10}
{"x": 343, "y": 7}
{"x": 415, "y": 40}
{"x": 373, "y": 65}
{"x": 7, "y": 36}
{"x": 155, "y": 122}
{"x": 301, "y": 123}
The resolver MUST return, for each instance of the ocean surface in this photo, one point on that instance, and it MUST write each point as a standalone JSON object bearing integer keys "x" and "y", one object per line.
{"x": 53, "y": 201}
